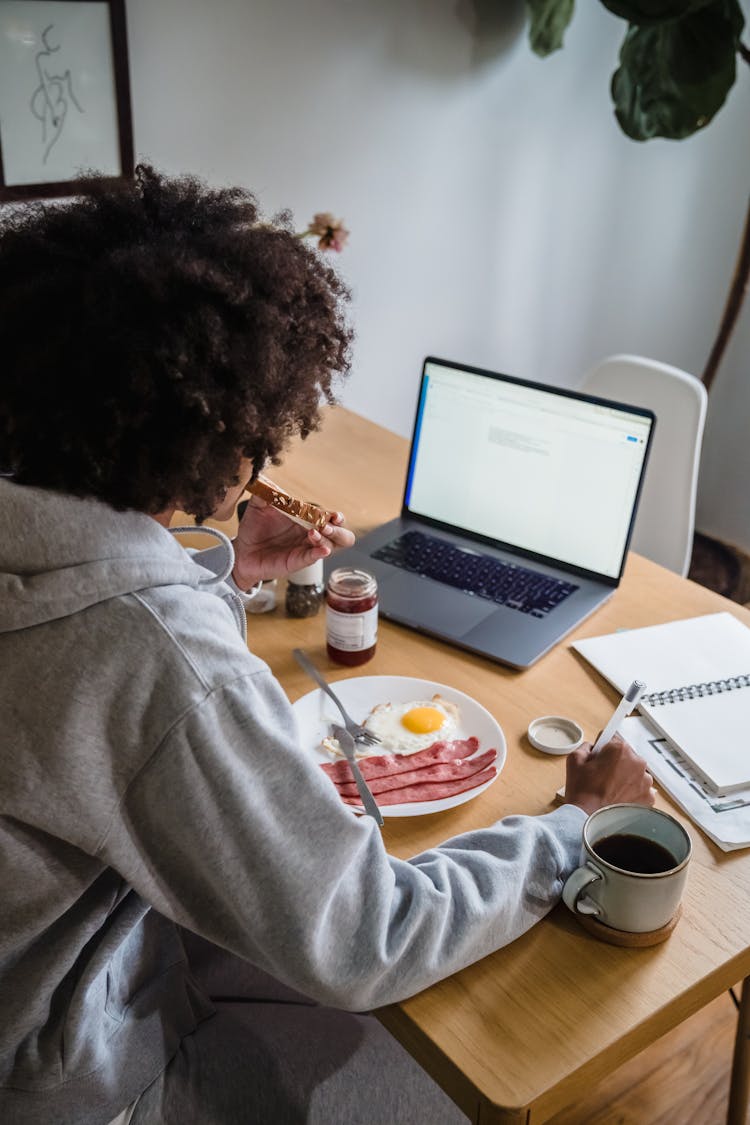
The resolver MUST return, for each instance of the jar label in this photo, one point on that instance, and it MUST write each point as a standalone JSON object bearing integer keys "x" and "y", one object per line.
{"x": 351, "y": 632}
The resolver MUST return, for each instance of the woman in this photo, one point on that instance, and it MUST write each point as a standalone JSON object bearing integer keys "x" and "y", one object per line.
{"x": 190, "y": 915}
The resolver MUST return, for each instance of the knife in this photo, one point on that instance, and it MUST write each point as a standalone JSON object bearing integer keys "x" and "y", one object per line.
{"x": 346, "y": 742}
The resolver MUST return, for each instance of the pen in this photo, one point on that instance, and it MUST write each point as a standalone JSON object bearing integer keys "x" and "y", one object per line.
{"x": 624, "y": 707}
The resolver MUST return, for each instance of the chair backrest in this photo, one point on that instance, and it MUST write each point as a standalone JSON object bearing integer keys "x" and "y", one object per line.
{"x": 665, "y": 521}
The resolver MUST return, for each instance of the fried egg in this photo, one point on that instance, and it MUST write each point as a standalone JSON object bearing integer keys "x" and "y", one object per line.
{"x": 405, "y": 728}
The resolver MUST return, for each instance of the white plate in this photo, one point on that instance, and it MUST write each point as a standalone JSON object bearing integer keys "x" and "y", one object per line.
{"x": 315, "y": 712}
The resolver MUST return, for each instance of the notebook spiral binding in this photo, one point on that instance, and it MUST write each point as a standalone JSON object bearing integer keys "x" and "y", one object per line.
{"x": 695, "y": 691}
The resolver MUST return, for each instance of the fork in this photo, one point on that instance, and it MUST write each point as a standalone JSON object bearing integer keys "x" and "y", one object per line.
{"x": 356, "y": 730}
{"x": 369, "y": 804}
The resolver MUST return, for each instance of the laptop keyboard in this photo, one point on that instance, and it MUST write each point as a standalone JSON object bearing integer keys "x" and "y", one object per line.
{"x": 506, "y": 584}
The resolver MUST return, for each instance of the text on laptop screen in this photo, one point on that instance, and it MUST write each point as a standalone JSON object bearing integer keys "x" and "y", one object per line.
{"x": 537, "y": 470}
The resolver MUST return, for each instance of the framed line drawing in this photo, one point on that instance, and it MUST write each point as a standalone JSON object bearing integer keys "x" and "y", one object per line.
{"x": 64, "y": 96}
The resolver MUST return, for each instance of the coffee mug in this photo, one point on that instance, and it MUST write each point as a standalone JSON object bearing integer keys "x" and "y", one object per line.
{"x": 634, "y": 868}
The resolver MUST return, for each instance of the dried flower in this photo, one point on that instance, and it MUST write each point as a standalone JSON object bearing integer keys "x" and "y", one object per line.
{"x": 330, "y": 232}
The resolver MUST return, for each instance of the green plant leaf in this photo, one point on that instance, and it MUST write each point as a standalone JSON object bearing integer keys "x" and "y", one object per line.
{"x": 674, "y": 77}
{"x": 653, "y": 11}
{"x": 548, "y": 21}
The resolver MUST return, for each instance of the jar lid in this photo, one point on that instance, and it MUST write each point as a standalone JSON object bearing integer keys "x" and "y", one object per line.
{"x": 349, "y": 582}
{"x": 308, "y": 576}
{"x": 554, "y": 734}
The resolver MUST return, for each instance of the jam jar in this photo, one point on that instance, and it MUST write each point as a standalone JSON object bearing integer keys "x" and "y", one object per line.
{"x": 351, "y": 616}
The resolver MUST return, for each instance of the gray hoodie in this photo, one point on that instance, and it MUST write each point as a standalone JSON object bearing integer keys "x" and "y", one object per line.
{"x": 151, "y": 779}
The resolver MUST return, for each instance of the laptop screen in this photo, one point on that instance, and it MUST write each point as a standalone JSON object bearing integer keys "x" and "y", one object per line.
{"x": 536, "y": 468}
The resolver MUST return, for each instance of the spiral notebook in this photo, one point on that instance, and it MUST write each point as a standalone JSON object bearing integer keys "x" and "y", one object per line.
{"x": 697, "y": 676}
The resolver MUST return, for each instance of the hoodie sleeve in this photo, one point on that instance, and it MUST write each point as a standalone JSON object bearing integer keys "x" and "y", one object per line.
{"x": 216, "y": 561}
{"x": 233, "y": 832}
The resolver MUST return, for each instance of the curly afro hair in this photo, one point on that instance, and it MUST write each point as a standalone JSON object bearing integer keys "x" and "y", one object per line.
{"x": 155, "y": 333}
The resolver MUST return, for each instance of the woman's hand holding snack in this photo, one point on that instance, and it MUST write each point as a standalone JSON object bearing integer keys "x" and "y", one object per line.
{"x": 270, "y": 545}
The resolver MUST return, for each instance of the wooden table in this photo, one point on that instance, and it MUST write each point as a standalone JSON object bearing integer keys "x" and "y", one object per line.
{"x": 526, "y": 1031}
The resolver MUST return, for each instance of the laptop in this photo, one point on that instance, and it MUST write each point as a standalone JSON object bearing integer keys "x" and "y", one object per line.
{"x": 519, "y": 504}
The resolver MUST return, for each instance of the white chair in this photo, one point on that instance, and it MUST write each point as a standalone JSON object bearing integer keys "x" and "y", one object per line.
{"x": 665, "y": 521}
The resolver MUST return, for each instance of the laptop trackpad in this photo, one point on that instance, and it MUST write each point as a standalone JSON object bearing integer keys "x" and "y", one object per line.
{"x": 431, "y": 605}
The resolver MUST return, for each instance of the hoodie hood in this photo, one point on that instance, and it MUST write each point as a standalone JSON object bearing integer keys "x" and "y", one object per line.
{"x": 60, "y": 554}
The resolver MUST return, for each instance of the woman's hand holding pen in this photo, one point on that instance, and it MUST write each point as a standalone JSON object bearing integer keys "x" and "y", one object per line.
{"x": 611, "y": 776}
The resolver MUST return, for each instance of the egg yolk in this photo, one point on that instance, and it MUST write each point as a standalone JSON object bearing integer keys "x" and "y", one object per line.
{"x": 423, "y": 720}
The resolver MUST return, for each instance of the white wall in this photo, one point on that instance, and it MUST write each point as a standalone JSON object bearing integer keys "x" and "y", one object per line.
{"x": 498, "y": 214}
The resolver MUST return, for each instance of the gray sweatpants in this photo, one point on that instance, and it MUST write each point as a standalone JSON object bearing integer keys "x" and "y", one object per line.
{"x": 271, "y": 1056}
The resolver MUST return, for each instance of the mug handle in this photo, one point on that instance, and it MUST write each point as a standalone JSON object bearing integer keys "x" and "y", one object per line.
{"x": 576, "y": 883}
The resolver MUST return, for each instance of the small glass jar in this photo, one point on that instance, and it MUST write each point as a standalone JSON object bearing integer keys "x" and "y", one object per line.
{"x": 305, "y": 591}
{"x": 265, "y": 600}
{"x": 351, "y": 616}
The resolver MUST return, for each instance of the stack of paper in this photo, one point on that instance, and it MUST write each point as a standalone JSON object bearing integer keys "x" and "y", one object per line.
{"x": 725, "y": 820}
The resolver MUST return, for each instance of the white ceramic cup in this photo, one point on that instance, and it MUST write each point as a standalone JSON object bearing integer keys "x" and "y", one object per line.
{"x": 629, "y": 900}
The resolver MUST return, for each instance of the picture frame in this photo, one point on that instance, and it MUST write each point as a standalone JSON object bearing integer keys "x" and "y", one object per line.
{"x": 64, "y": 96}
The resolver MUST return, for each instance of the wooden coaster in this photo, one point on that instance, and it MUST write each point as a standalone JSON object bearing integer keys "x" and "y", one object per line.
{"x": 622, "y": 937}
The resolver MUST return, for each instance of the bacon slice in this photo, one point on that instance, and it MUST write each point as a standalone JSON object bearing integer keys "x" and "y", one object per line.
{"x": 383, "y": 765}
{"x": 440, "y": 771}
{"x": 430, "y": 791}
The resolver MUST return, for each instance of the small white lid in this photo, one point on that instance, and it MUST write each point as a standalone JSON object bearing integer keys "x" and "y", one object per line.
{"x": 555, "y": 734}
{"x": 309, "y": 575}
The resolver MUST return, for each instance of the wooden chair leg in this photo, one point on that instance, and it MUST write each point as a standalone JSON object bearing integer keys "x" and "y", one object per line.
{"x": 739, "y": 1089}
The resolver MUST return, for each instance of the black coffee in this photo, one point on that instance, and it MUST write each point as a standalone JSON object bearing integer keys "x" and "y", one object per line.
{"x": 634, "y": 853}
